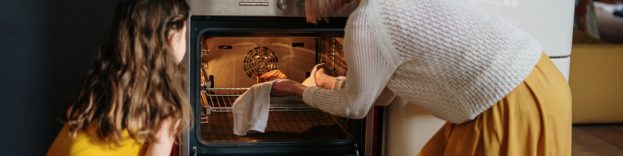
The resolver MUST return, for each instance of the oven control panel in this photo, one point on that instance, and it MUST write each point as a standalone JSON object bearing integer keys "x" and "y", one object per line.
{"x": 292, "y": 8}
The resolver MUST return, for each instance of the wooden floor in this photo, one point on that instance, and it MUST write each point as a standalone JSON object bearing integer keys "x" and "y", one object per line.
{"x": 598, "y": 140}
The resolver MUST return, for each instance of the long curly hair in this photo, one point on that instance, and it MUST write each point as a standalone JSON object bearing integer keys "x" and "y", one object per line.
{"x": 135, "y": 83}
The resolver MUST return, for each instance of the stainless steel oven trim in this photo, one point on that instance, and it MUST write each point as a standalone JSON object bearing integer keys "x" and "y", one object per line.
{"x": 289, "y": 8}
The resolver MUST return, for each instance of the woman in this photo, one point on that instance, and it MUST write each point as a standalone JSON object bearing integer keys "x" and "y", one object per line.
{"x": 499, "y": 93}
{"x": 133, "y": 100}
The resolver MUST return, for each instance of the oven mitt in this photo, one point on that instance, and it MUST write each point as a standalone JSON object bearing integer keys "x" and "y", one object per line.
{"x": 250, "y": 110}
{"x": 311, "y": 80}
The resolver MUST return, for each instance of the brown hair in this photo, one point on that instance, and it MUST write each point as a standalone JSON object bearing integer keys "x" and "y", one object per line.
{"x": 135, "y": 83}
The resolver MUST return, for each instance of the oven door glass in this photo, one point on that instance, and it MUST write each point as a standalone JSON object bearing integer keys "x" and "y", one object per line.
{"x": 227, "y": 56}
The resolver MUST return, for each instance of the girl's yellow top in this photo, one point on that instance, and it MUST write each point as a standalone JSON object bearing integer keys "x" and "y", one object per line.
{"x": 87, "y": 144}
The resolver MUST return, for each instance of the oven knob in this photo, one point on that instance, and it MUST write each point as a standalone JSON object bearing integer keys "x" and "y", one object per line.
{"x": 281, "y": 4}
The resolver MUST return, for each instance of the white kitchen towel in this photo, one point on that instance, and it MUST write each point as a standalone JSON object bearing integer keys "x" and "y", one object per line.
{"x": 251, "y": 109}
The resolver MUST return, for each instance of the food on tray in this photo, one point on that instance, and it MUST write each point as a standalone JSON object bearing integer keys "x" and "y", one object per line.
{"x": 271, "y": 75}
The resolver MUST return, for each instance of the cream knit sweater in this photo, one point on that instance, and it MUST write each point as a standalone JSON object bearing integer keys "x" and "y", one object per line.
{"x": 442, "y": 55}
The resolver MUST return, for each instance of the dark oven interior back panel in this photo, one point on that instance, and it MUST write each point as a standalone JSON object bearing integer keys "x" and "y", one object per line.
{"x": 236, "y": 62}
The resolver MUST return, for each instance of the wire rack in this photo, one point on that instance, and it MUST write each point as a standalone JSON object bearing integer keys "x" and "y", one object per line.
{"x": 289, "y": 120}
{"x": 222, "y": 99}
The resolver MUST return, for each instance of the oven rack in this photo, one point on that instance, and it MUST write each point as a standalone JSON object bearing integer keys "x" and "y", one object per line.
{"x": 333, "y": 56}
{"x": 222, "y": 99}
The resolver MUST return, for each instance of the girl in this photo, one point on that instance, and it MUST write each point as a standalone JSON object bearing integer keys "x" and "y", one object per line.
{"x": 500, "y": 94}
{"x": 133, "y": 100}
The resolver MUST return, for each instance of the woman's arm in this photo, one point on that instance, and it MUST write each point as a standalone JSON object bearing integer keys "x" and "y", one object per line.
{"x": 368, "y": 74}
{"x": 165, "y": 138}
{"x": 327, "y": 81}
{"x": 352, "y": 98}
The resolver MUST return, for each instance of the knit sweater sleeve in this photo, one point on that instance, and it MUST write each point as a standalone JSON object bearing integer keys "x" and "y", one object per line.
{"x": 368, "y": 73}
{"x": 386, "y": 97}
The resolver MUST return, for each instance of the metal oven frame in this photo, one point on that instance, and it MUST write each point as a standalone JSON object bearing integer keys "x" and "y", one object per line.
{"x": 231, "y": 26}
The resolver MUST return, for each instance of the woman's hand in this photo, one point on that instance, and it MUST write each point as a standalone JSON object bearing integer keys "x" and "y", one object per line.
{"x": 286, "y": 87}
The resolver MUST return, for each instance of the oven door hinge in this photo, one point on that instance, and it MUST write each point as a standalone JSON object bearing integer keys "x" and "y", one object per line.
{"x": 356, "y": 150}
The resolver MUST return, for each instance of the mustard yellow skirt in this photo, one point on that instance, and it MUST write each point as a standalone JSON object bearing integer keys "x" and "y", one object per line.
{"x": 534, "y": 119}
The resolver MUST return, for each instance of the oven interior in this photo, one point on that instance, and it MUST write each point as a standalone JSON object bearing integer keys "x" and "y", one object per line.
{"x": 229, "y": 65}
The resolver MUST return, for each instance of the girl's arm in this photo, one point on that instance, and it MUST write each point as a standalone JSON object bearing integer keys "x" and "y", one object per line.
{"x": 164, "y": 141}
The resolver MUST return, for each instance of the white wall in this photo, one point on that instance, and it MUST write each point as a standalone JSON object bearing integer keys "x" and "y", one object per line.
{"x": 550, "y": 22}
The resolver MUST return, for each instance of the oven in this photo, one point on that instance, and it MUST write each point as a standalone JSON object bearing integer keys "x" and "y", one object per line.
{"x": 232, "y": 42}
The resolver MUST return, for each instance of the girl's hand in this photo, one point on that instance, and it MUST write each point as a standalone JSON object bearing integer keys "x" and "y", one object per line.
{"x": 286, "y": 87}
